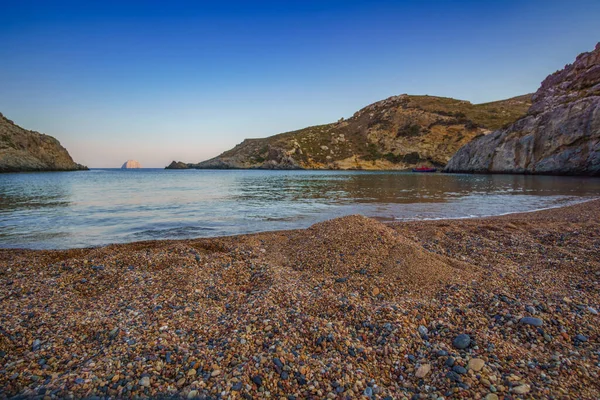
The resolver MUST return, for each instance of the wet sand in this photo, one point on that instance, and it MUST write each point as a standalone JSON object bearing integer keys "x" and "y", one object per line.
{"x": 347, "y": 308}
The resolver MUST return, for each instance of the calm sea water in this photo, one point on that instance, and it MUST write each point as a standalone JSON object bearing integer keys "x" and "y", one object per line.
{"x": 77, "y": 209}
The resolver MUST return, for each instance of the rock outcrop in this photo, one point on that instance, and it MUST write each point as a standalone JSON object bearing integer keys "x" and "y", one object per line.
{"x": 400, "y": 132}
{"x": 131, "y": 164}
{"x": 22, "y": 150}
{"x": 560, "y": 135}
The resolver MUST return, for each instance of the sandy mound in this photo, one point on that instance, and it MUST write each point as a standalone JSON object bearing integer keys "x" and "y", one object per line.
{"x": 357, "y": 246}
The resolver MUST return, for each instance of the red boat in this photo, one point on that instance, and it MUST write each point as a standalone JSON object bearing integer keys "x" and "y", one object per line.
{"x": 424, "y": 169}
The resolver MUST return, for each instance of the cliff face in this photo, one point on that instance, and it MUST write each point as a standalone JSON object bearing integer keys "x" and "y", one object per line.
{"x": 397, "y": 133}
{"x": 23, "y": 150}
{"x": 559, "y": 135}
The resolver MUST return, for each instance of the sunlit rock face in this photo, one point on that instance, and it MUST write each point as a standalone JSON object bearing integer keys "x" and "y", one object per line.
{"x": 131, "y": 164}
{"x": 560, "y": 135}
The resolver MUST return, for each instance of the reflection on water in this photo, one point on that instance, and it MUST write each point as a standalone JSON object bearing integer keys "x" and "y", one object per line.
{"x": 62, "y": 210}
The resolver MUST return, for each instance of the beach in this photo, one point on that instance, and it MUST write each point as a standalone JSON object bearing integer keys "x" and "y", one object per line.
{"x": 499, "y": 307}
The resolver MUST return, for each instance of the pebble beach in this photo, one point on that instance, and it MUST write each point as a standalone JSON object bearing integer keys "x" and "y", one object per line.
{"x": 494, "y": 308}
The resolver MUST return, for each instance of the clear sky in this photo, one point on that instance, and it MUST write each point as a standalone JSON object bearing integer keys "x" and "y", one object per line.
{"x": 158, "y": 81}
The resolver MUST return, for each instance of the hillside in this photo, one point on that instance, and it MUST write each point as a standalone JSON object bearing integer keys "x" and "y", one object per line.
{"x": 560, "y": 134}
{"x": 22, "y": 150}
{"x": 397, "y": 133}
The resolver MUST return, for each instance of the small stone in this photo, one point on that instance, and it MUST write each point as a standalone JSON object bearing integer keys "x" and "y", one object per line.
{"x": 192, "y": 394}
{"x": 581, "y": 338}
{"x": 36, "y": 345}
{"x": 191, "y": 372}
{"x": 113, "y": 333}
{"x": 459, "y": 370}
{"x": 476, "y": 364}
{"x": 491, "y": 396}
{"x": 423, "y": 370}
{"x": 450, "y": 361}
{"x": 531, "y": 310}
{"x": 368, "y": 392}
{"x": 237, "y": 387}
{"x": 592, "y": 310}
{"x": 521, "y": 389}
{"x": 277, "y": 362}
{"x": 145, "y": 382}
{"x": 531, "y": 321}
{"x": 375, "y": 291}
{"x": 462, "y": 341}
{"x": 422, "y": 330}
{"x": 216, "y": 372}
{"x": 257, "y": 380}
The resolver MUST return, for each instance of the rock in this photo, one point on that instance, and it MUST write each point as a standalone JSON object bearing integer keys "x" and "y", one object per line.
{"x": 531, "y": 310}
{"x": 564, "y": 116}
{"x": 257, "y": 380}
{"x": 459, "y": 369}
{"x": 113, "y": 333}
{"x": 237, "y": 387}
{"x": 277, "y": 362}
{"x": 375, "y": 291}
{"x": 531, "y": 321}
{"x": 449, "y": 361}
{"x": 177, "y": 165}
{"x": 192, "y": 394}
{"x": 368, "y": 391}
{"x": 23, "y": 150}
{"x": 36, "y": 345}
{"x": 423, "y": 331}
{"x": 145, "y": 381}
{"x": 491, "y": 396}
{"x": 462, "y": 341}
{"x": 581, "y": 338}
{"x": 216, "y": 372}
{"x": 521, "y": 389}
{"x": 592, "y": 310}
{"x": 476, "y": 364}
{"x": 131, "y": 164}
{"x": 423, "y": 370}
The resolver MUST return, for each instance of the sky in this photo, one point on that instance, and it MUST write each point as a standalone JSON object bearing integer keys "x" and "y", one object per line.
{"x": 185, "y": 80}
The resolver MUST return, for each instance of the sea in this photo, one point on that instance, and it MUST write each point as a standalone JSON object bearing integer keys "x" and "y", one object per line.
{"x": 60, "y": 210}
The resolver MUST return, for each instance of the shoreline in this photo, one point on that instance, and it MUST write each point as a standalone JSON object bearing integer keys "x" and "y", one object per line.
{"x": 349, "y": 307}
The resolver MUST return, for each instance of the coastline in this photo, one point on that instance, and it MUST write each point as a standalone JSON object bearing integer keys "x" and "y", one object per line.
{"x": 348, "y": 307}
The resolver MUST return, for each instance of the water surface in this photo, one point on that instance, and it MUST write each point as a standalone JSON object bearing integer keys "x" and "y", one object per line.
{"x": 90, "y": 208}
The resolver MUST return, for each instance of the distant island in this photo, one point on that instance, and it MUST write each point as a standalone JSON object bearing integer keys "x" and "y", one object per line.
{"x": 131, "y": 164}
{"x": 22, "y": 150}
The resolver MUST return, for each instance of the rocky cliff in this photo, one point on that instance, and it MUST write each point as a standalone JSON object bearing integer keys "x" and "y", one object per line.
{"x": 397, "y": 133}
{"x": 23, "y": 150}
{"x": 559, "y": 135}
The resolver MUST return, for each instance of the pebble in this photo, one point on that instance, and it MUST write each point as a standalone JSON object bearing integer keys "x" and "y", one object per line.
{"x": 423, "y": 370}
{"x": 459, "y": 369}
{"x": 36, "y": 345}
{"x": 462, "y": 341}
{"x": 145, "y": 381}
{"x": 581, "y": 338}
{"x": 257, "y": 380}
{"x": 521, "y": 389}
{"x": 476, "y": 364}
{"x": 491, "y": 396}
{"x": 531, "y": 321}
{"x": 449, "y": 361}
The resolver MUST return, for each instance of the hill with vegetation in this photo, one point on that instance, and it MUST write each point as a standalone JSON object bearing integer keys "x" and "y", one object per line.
{"x": 396, "y": 133}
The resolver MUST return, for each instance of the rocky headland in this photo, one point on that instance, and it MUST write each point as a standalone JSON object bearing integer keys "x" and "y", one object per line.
{"x": 22, "y": 150}
{"x": 492, "y": 308}
{"x": 559, "y": 135}
{"x": 398, "y": 133}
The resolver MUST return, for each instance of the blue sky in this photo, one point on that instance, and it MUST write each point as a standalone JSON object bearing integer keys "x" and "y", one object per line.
{"x": 157, "y": 81}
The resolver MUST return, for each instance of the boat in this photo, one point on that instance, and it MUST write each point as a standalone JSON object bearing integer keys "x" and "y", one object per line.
{"x": 424, "y": 169}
